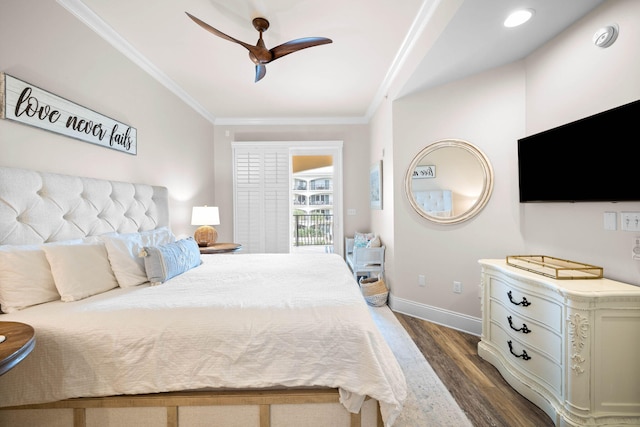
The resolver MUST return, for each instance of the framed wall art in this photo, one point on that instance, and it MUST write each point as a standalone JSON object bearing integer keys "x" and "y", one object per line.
{"x": 423, "y": 172}
{"x": 375, "y": 185}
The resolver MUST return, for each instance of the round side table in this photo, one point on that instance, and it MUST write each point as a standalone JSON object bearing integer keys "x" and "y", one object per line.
{"x": 19, "y": 340}
{"x": 219, "y": 248}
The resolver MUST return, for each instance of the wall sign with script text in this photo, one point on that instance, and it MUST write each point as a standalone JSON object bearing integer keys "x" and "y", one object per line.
{"x": 422, "y": 172}
{"x": 28, "y": 104}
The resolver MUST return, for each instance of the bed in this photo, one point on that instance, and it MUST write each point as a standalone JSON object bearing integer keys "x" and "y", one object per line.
{"x": 225, "y": 339}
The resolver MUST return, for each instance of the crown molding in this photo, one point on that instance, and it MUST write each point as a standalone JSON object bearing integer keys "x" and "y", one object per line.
{"x": 104, "y": 30}
{"x": 426, "y": 12}
{"x": 289, "y": 121}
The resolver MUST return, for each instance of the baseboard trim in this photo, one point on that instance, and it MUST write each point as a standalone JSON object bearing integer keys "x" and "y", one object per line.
{"x": 451, "y": 319}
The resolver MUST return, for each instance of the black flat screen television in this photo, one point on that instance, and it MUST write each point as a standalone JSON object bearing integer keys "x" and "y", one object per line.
{"x": 595, "y": 159}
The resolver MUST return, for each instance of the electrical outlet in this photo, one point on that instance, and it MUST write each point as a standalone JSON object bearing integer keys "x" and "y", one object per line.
{"x": 630, "y": 221}
{"x": 421, "y": 281}
{"x": 457, "y": 287}
{"x": 635, "y": 251}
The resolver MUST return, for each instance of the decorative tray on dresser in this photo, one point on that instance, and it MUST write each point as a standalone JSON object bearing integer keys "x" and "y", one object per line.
{"x": 572, "y": 347}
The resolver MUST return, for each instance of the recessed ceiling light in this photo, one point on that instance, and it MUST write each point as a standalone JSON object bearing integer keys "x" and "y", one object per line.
{"x": 518, "y": 17}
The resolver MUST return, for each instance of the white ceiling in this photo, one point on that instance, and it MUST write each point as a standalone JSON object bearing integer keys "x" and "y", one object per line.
{"x": 380, "y": 48}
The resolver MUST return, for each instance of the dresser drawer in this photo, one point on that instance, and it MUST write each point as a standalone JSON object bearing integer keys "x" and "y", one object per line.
{"x": 525, "y": 304}
{"x": 530, "y": 332}
{"x": 537, "y": 366}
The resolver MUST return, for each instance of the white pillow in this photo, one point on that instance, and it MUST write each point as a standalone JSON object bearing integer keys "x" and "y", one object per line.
{"x": 25, "y": 276}
{"x": 124, "y": 253}
{"x": 374, "y": 243}
{"x": 81, "y": 270}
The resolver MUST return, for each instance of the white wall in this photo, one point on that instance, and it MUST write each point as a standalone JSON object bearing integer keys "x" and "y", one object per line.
{"x": 382, "y": 220}
{"x": 567, "y": 79}
{"x": 486, "y": 110}
{"x": 43, "y": 44}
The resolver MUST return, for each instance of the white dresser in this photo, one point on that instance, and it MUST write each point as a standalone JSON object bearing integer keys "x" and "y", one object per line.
{"x": 572, "y": 347}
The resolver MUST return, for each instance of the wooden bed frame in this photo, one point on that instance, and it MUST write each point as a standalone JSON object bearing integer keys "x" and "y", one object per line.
{"x": 172, "y": 404}
{"x": 142, "y": 207}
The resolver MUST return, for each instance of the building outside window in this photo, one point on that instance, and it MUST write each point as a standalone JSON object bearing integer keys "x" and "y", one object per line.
{"x": 299, "y": 200}
{"x": 321, "y": 199}
{"x": 313, "y": 207}
{"x": 321, "y": 184}
{"x": 299, "y": 184}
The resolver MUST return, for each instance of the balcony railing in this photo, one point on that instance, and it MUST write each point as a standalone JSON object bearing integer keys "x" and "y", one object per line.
{"x": 316, "y": 229}
{"x": 321, "y": 186}
{"x": 320, "y": 202}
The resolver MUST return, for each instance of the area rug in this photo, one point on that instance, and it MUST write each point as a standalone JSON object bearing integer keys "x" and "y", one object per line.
{"x": 428, "y": 402}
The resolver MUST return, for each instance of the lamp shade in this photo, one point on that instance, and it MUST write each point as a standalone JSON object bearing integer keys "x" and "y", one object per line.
{"x": 205, "y": 215}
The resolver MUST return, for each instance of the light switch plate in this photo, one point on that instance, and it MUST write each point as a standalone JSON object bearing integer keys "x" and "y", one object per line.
{"x": 610, "y": 220}
{"x": 630, "y": 221}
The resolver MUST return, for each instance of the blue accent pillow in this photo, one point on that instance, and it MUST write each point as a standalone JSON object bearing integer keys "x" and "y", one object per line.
{"x": 360, "y": 240}
{"x": 166, "y": 261}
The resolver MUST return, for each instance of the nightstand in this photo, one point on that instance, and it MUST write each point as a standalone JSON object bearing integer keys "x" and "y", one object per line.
{"x": 18, "y": 343}
{"x": 219, "y": 248}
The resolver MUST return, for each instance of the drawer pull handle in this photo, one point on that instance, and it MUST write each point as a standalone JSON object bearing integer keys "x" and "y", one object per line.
{"x": 524, "y": 328}
{"x": 524, "y": 354}
{"x": 523, "y": 303}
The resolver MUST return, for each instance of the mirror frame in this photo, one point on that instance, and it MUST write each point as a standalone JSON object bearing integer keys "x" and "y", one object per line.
{"x": 487, "y": 172}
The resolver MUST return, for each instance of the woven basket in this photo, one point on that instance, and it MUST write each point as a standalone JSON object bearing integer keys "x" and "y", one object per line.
{"x": 374, "y": 290}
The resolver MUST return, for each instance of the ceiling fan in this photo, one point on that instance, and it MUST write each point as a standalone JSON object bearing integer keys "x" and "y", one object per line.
{"x": 259, "y": 54}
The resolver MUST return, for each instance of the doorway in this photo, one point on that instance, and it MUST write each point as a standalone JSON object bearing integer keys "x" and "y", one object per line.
{"x": 316, "y": 197}
{"x": 312, "y": 204}
{"x": 263, "y": 192}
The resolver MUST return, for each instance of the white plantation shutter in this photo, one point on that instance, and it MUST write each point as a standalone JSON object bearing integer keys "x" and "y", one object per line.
{"x": 247, "y": 199}
{"x": 276, "y": 197}
{"x": 261, "y": 207}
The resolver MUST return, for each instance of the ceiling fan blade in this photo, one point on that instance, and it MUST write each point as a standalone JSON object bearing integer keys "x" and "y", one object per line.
{"x": 296, "y": 45}
{"x": 259, "y": 54}
{"x": 261, "y": 70}
{"x": 219, "y": 33}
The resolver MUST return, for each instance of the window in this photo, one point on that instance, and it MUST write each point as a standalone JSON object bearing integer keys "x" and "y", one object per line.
{"x": 321, "y": 184}
{"x": 320, "y": 199}
{"x": 299, "y": 200}
{"x": 299, "y": 185}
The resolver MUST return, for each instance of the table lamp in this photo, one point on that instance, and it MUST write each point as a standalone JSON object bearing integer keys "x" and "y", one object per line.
{"x": 205, "y": 217}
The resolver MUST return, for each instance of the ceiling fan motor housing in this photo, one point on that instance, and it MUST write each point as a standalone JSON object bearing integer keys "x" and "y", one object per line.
{"x": 260, "y": 24}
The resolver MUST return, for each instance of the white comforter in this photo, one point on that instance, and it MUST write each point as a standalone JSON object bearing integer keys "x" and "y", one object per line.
{"x": 237, "y": 321}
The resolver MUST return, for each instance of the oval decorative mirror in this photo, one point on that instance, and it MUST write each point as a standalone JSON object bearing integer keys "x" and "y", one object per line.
{"x": 449, "y": 181}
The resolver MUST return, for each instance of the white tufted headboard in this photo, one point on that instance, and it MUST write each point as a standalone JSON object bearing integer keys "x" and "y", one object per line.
{"x": 38, "y": 207}
{"x": 435, "y": 202}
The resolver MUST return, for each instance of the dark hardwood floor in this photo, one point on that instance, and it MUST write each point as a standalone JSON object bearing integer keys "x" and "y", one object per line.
{"x": 476, "y": 385}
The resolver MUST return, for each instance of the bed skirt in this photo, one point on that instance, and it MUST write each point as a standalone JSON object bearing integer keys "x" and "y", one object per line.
{"x": 260, "y": 408}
